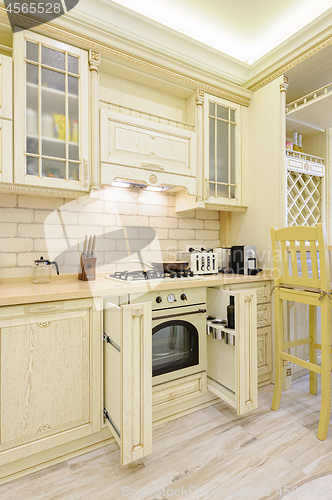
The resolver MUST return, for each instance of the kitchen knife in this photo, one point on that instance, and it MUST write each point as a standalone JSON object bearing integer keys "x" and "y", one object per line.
{"x": 93, "y": 246}
{"x": 88, "y": 254}
{"x": 85, "y": 245}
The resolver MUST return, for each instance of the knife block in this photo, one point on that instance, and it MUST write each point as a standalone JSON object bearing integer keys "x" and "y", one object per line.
{"x": 87, "y": 269}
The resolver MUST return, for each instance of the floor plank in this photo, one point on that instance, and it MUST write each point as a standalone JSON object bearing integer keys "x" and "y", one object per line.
{"x": 209, "y": 450}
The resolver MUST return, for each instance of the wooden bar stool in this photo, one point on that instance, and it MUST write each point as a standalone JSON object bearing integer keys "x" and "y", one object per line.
{"x": 307, "y": 286}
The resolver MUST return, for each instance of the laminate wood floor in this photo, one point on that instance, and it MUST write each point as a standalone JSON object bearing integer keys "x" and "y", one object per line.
{"x": 209, "y": 454}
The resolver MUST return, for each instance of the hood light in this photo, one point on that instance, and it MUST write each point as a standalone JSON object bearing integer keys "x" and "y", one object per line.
{"x": 134, "y": 185}
{"x": 156, "y": 188}
{"x": 120, "y": 184}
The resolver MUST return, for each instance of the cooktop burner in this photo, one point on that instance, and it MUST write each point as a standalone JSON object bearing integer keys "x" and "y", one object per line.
{"x": 149, "y": 275}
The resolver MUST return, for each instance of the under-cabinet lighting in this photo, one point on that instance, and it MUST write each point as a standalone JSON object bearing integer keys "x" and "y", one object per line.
{"x": 155, "y": 188}
{"x": 120, "y": 184}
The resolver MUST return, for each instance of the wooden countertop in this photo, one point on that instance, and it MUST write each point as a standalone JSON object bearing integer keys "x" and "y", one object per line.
{"x": 13, "y": 292}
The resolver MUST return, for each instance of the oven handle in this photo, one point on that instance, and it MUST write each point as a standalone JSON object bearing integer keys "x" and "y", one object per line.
{"x": 180, "y": 314}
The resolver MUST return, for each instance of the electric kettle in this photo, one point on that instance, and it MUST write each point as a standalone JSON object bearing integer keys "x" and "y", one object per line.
{"x": 42, "y": 271}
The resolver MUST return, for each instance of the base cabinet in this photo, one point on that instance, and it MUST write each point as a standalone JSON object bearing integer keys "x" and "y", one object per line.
{"x": 47, "y": 356}
{"x": 264, "y": 328}
{"x": 232, "y": 353}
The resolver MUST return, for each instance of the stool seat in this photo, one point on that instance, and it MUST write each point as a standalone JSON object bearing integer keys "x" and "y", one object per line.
{"x": 306, "y": 281}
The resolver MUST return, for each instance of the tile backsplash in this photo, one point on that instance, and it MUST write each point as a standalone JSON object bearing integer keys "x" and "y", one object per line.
{"x": 123, "y": 220}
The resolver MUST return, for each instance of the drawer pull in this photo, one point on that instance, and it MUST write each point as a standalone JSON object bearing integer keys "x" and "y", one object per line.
{"x": 43, "y": 309}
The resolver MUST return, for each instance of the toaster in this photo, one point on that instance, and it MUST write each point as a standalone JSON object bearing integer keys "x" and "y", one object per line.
{"x": 204, "y": 263}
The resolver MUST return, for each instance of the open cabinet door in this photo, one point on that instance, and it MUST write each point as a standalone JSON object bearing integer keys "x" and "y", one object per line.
{"x": 232, "y": 369}
{"x": 128, "y": 377}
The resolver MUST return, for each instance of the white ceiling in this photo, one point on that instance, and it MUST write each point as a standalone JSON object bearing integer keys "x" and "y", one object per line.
{"x": 243, "y": 29}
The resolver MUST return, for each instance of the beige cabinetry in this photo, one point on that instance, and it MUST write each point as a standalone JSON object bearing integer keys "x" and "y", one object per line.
{"x": 221, "y": 156}
{"x": 232, "y": 353}
{"x": 156, "y": 153}
{"x": 49, "y": 387}
{"x": 6, "y": 120}
{"x": 264, "y": 328}
{"x": 50, "y": 113}
{"x": 128, "y": 376}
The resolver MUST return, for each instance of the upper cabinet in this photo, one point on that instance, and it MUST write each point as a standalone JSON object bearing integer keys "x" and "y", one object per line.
{"x": 50, "y": 113}
{"x": 222, "y": 151}
{"x": 221, "y": 156}
{"x": 6, "y": 120}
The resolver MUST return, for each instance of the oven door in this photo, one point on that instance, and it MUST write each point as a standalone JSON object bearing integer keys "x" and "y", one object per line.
{"x": 178, "y": 343}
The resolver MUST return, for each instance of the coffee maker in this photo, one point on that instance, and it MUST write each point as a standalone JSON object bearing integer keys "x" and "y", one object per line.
{"x": 244, "y": 260}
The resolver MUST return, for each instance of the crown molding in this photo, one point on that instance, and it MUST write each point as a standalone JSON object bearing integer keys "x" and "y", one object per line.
{"x": 95, "y": 39}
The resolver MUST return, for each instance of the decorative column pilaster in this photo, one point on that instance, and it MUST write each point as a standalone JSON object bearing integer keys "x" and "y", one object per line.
{"x": 200, "y": 135}
{"x": 94, "y": 62}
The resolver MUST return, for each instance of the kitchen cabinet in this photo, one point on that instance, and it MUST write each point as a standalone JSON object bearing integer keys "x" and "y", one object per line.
{"x": 128, "y": 376}
{"x": 221, "y": 156}
{"x": 158, "y": 153}
{"x": 51, "y": 92}
{"x": 232, "y": 369}
{"x": 264, "y": 327}
{"x": 50, "y": 387}
{"x": 6, "y": 120}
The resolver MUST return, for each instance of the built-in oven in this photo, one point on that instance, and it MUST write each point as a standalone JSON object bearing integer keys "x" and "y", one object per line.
{"x": 178, "y": 332}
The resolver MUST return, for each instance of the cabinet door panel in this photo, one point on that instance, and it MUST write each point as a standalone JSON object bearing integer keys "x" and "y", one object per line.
{"x": 128, "y": 377}
{"x": 264, "y": 350}
{"x": 232, "y": 369}
{"x": 44, "y": 376}
{"x": 6, "y": 99}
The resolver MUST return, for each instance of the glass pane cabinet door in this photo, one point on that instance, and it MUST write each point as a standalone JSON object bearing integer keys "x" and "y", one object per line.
{"x": 222, "y": 128}
{"x": 55, "y": 105}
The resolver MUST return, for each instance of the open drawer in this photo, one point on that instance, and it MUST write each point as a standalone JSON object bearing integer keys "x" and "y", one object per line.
{"x": 128, "y": 376}
{"x": 232, "y": 369}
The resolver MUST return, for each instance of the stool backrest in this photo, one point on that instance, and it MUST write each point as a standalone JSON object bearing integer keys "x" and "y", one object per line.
{"x": 311, "y": 244}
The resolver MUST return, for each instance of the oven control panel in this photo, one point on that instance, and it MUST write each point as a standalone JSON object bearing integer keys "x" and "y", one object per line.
{"x": 164, "y": 299}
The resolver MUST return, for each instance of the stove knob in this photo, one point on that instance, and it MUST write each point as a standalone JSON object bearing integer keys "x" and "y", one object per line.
{"x": 208, "y": 268}
{"x": 202, "y": 268}
{"x": 183, "y": 296}
{"x": 159, "y": 299}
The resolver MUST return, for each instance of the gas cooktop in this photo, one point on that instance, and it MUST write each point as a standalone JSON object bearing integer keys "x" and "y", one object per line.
{"x": 143, "y": 276}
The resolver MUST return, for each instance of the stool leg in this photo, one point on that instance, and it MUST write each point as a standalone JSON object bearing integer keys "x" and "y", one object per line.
{"x": 326, "y": 369}
{"x": 312, "y": 350}
{"x": 279, "y": 340}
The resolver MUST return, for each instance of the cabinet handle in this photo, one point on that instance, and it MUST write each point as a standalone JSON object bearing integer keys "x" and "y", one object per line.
{"x": 152, "y": 166}
{"x": 42, "y": 309}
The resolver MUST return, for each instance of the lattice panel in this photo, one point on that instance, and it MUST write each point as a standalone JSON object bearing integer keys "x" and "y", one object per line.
{"x": 303, "y": 199}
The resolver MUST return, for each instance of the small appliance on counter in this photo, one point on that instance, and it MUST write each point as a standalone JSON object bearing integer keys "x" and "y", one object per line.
{"x": 42, "y": 271}
{"x": 224, "y": 259}
{"x": 203, "y": 261}
{"x": 244, "y": 260}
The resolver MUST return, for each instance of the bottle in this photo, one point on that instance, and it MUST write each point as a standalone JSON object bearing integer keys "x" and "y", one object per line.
{"x": 300, "y": 143}
{"x": 231, "y": 313}
{"x": 295, "y": 145}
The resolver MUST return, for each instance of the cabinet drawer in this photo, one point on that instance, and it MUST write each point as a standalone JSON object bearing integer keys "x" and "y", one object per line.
{"x": 263, "y": 289}
{"x": 263, "y": 315}
{"x": 177, "y": 391}
{"x": 264, "y": 350}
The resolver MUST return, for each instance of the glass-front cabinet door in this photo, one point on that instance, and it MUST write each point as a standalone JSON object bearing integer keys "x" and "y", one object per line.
{"x": 222, "y": 151}
{"x": 51, "y": 113}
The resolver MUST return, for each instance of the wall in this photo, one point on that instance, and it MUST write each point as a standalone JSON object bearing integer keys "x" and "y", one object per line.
{"x": 52, "y": 227}
{"x": 265, "y": 180}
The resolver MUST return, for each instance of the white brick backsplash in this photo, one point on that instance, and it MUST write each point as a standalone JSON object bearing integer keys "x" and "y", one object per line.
{"x": 190, "y": 224}
{"x": 15, "y": 215}
{"x": 153, "y": 210}
{"x": 16, "y": 245}
{"x": 207, "y": 234}
{"x": 8, "y": 259}
{"x": 43, "y": 202}
{"x": 8, "y": 200}
{"x": 211, "y": 224}
{"x": 182, "y": 234}
{"x": 8, "y": 229}
{"x": 25, "y": 220}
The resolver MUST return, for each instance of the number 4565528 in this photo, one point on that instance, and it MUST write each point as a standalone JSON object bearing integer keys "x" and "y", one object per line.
{"x": 33, "y": 8}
